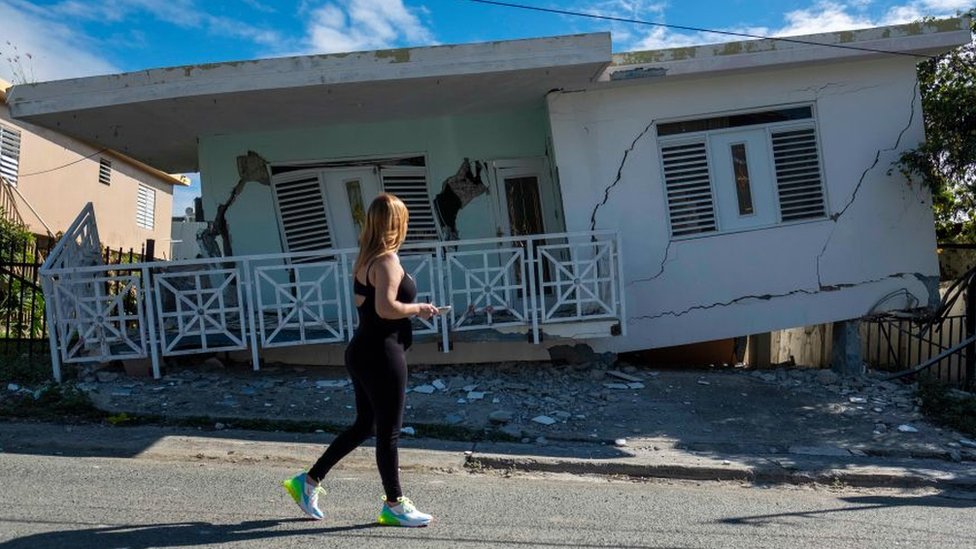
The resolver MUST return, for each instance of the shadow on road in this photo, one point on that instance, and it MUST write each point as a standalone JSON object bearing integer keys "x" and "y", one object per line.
{"x": 863, "y": 503}
{"x": 181, "y": 534}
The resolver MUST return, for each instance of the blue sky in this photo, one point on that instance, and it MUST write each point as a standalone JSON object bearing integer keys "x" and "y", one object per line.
{"x": 69, "y": 38}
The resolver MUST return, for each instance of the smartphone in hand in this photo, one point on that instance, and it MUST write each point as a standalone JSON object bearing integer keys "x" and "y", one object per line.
{"x": 443, "y": 309}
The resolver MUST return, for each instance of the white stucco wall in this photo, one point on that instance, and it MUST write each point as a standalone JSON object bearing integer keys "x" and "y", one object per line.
{"x": 725, "y": 285}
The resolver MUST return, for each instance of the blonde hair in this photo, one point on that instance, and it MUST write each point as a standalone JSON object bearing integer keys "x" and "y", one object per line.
{"x": 384, "y": 231}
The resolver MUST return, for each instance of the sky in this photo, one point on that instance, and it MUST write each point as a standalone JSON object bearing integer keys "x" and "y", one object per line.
{"x": 49, "y": 40}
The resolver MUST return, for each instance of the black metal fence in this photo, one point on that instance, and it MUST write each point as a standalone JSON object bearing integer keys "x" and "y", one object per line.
{"x": 23, "y": 324}
{"x": 900, "y": 344}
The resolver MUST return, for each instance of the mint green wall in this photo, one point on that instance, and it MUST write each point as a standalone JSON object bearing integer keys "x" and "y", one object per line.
{"x": 445, "y": 141}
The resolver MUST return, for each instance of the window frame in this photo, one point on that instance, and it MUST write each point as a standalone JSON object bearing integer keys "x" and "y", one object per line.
{"x": 769, "y": 128}
{"x": 18, "y": 137}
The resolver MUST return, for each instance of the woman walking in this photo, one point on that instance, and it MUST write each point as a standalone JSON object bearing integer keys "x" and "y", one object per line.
{"x": 376, "y": 363}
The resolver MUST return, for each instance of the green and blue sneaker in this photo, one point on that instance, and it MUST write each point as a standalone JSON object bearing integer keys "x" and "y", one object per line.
{"x": 305, "y": 495}
{"x": 404, "y": 513}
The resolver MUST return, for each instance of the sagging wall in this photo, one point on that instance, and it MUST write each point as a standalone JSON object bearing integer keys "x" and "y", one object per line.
{"x": 876, "y": 251}
{"x": 445, "y": 141}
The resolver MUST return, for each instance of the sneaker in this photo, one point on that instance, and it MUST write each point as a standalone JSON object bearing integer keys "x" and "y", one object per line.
{"x": 403, "y": 514}
{"x": 305, "y": 495}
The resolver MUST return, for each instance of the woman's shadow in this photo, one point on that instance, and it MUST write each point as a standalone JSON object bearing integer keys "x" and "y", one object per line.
{"x": 179, "y": 534}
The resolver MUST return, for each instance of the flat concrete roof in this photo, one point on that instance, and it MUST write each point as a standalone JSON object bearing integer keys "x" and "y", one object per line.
{"x": 929, "y": 38}
{"x": 157, "y": 115}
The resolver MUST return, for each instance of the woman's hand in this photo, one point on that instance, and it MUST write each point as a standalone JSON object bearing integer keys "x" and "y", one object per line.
{"x": 426, "y": 310}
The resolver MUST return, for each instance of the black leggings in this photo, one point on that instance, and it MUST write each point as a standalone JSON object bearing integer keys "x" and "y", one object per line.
{"x": 379, "y": 377}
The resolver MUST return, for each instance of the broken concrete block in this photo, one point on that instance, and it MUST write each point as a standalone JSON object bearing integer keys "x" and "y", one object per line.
{"x": 501, "y": 416}
{"x": 635, "y": 385}
{"x": 475, "y": 395}
{"x": 618, "y": 386}
{"x": 907, "y": 429}
{"x": 544, "y": 420}
{"x": 439, "y": 385}
{"x": 620, "y": 375}
{"x": 424, "y": 389}
{"x": 620, "y": 442}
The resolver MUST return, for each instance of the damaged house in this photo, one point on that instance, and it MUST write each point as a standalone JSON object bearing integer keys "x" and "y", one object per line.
{"x": 558, "y": 193}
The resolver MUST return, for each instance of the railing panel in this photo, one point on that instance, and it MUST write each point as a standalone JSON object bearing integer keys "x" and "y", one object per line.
{"x": 578, "y": 281}
{"x": 487, "y": 288}
{"x": 200, "y": 311}
{"x": 94, "y": 324}
{"x": 300, "y": 304}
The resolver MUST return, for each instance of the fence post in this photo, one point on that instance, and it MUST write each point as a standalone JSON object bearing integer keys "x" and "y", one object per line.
{"x": 970, "y": 330}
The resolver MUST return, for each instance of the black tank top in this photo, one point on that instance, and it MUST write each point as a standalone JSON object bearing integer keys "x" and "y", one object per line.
{"x": 373, "y": 327}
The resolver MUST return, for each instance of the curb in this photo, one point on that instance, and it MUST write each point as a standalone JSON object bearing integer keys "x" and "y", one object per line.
{"x": 918, "y": 474}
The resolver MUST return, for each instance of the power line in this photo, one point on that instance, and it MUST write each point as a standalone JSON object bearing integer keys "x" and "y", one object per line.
{"x": 82, "y": 159}
{"x": 696, "y": 29}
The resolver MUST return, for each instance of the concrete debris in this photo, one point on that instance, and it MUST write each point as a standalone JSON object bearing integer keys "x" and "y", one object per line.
{"x": 106, "y": 377}
{"x": 513, "y": 431}
{"x": 439, "y": 385}
{"x": 544, "y": 420}
{"x": 469, "y": 388}
{"x": 475, "y": 395}
{"x": 332, "y": 383}
{"x": 619, "y": 386}
{"x": 858, "y": 400}
{"x": 13, "y": 387}
{"x": 409, "y": 431}
{"x": 967, "y": 443}
{"x": 620, "y": 375}
{"x": 424, "y": 389}
{"x": 501, "y": 416}
{"x": 635, "y": 385}
{"x": 703, "y": 382}
{"x": 907, "y": 429}
{"x": 620, "y": 442}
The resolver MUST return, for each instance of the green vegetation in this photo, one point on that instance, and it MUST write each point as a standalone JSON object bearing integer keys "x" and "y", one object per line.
{"x": 946, "y": 161}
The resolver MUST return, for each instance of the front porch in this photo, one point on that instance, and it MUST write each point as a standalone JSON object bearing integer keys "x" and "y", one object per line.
{"x": 563, "y": 285}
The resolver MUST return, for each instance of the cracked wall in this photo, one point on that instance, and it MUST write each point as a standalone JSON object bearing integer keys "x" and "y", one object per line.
{"x": 877, "y": 250}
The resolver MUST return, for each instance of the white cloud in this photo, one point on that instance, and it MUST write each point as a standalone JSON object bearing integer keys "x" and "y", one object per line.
{"x": 56, "y": 51}
{"x": 356, "y": 25}
{"x": 821, "y": 16}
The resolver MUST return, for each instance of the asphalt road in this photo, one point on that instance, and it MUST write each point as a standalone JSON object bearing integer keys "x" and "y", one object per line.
{"x": 59, "y": 502}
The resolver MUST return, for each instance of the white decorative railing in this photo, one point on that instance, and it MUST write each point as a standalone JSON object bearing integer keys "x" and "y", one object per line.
{"x": 155, "y": 309}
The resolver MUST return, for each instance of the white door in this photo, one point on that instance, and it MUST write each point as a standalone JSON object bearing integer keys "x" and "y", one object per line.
{"x": 742, "y": 172}
{"x": 348, "y": 193}
{"x": 525, "y": 199}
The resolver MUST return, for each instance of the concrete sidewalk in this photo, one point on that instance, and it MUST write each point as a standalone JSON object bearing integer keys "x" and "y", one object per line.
{"x": 299, "y": 450}
{"x": 787, "y": 425}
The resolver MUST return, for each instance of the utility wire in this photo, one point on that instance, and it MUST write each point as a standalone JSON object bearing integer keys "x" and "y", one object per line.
{"x": 82, "y": 159}
{"x": 696, "y": 29}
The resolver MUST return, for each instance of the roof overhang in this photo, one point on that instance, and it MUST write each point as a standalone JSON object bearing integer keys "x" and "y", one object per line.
{"x": 156, "y": 116}
{"x": 918, "y": 39}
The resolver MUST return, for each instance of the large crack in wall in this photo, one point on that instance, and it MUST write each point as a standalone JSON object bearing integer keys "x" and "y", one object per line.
{"x": 620, "y": 172}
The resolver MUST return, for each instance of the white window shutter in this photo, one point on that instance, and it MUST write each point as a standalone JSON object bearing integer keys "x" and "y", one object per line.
{"x": 146, "y": 207}
{"x": 9, "y": 154}
{"x": 798, "y": 178}
{"x": 301, "y": 212}
{"x": 690, "y": 203}
{"x": 409, "y": 183}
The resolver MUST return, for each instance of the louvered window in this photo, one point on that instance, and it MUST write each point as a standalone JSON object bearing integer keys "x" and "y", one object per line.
{"x": 9, "y": 154}
{"x": 798, "y": 174}
{"x": 105, "y": 171}
{"x": 743, "y": 171}
{"x": 409, "y": 183}
{"x": 689, "y": 189}
{"x": 146, "y": 207}
{"x": 302, "y": 212}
